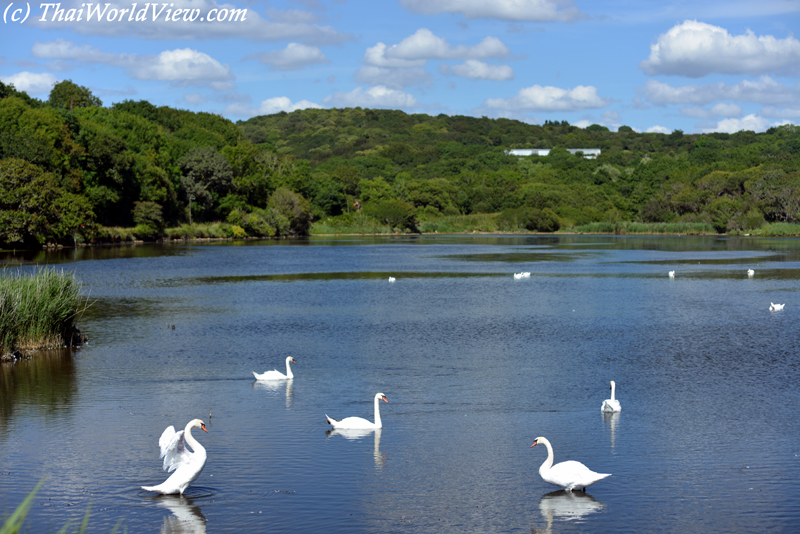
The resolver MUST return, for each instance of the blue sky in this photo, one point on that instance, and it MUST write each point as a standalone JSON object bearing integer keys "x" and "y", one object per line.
{"x": 697, "y": 66}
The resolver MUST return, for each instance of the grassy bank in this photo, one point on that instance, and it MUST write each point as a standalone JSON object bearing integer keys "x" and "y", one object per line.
{"x": 39, "y": 310}
{"x": 644, "y": 228}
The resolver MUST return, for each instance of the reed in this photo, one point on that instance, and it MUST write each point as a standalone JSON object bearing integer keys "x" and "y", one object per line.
{"x": 38, "y": 310}
{"x": 684, "y": 228}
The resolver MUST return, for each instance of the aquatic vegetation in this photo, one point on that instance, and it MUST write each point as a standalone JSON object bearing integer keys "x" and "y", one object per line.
{"x": 38, "y": 310}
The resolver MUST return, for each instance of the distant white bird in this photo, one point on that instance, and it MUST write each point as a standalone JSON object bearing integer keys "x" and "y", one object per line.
{"x": 672, "y": 274}
{"x": 359, "y": 423}
{"x": 569, "y": 475}
{"x": 776, "y": 307}
{"x": 612, "y": 404}
{"x": 275, "y": 374}
{"x": 391, "y": 278}
{"x": 187, "y": 465}
{"x": 750, "y": 272}
{"x": 517, "y": 276}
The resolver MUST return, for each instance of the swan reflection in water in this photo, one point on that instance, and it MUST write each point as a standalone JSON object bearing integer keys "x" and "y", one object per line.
{"x": 186, "y": 517}
{"x": 275, "y": 386}
{"x": 612, "y": 418}
{"x": 564, "y": 505}
{"x": 353, "y": 434}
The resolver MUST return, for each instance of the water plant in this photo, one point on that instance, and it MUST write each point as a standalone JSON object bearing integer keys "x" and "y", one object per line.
{"x": 38, "y": 310}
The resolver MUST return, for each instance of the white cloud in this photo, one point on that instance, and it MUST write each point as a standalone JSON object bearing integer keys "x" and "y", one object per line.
{"x": 658, "y": 129}
{"x": 378, "y": 96}
{"x": 32, "y": 83}
{"x": 295, "y": 56}
{"x": 749, "y": 122}
{"x": 478, "y": 70}
{"x": 180, "y": 67}
{"x": 278, "y": 26}
{"x": 376, "y": 56}
{"x": 719, "y": 110}
{"x": 425, "y": 45}
{"x": 764, "y": 91}
{"x": 538, "y": 98}
{"x": 394, "y": 78}
{"x": 510, "y": 10}
{"x": 194, "y": 98}
{"x": 696, "y": 49}
{"x": 786, "y": 113}
{"x": 269, "y": 106}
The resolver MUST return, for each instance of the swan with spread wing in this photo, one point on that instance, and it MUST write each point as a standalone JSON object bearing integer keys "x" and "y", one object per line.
{"x": 186, "y": 464}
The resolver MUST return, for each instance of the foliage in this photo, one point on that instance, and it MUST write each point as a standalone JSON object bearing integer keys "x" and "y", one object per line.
{"x": 68, "y": 95}
{"x": 392, "y": 212}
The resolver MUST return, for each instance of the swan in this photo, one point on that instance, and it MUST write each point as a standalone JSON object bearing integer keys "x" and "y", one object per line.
{"x": 750, "y": 272}
{"x": 187, "y": 465}
{"x": 672, "y": 274}
{"x": 359, "y": 423}
{"x": 612, "y": 404}
{"x": 517, "y": 276}
{"x": 277, "y": 375}
{"x": 776, "y": 307}
{"x": 570, "y": 474}
{"x": 391, "y": 278}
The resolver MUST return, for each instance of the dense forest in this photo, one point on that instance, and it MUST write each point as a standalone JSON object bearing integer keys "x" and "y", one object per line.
{"x": 74, "y": 171}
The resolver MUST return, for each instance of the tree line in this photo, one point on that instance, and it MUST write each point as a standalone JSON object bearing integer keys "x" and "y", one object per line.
{"x": 71, "y": 168}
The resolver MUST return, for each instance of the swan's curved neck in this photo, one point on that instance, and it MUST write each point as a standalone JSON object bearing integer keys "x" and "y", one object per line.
{"x": 193, "y": 443}
{"x": 377, "y": 411}
{"x": 613, "y": 390}
{"x": 289, "y": 369}
{"x": 548, "y": 463}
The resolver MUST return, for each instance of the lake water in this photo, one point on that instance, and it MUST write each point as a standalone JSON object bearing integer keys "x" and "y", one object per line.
{"x": 475, "y": 366}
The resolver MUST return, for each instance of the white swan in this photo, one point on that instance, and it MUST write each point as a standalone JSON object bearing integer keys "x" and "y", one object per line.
{"x": 359, "y": 423}
{"x": 672, "y": 274}
{"x": 612, "y": 404}
{"x": 750, "y": 272}
{"x": 277, "y": 375}
{"x": 570, "y": 474}
{"x": 776, "y": 307}
{"x": 391, "y": 279}
{"x": 187, "y": 465}
{"x": 518, "y": 276}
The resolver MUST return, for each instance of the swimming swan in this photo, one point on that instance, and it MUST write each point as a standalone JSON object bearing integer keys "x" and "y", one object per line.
{"x": 672, "y": 274}
{"x": 776, "y": 307}
{"x": 187, "y": 465}
{"x": 391, "y": 278}
{"x": 518, "y": 276}
{"x": 570, "y": 474}
{"x": 612, "y": 404}
{"x": 277, "y": 375}
{"x": 750, "y": 272}
{"x": 358, "y": 423}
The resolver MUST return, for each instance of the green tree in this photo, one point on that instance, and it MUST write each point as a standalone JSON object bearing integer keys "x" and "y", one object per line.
{"x": 293, "y": 208}
{"x": 392, "y": 212}
{"x": 68, "y": 95}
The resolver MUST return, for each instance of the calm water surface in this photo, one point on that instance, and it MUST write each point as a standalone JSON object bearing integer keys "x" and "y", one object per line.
{"x": 475, "y": 365}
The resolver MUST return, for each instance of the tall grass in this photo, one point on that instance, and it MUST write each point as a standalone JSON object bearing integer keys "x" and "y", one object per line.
{"x": 38, "y": 310}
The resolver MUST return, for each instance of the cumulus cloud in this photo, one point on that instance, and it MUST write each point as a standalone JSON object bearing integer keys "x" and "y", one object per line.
{"x": 785, "y": 113}
{"x": 294, "y": 57}
{"x": 269, "y": 106}
{"x": 764, "y": 91}
{"x": 696, "y": 49}
{"x": 180, "y": 67}
{"x": 719, "y": 110}
{"x": 194, "y": 98}
{"x": 658, "y": 129}
{"x": 376, "y": 56}
{"x": 240, "y": 23}
{"x": 395, "y": 78}
{"x": 424, "y": 44}
{"x": 478, "y": 70}
{"x": 509, "y": 10}
{"x": 32, "y": 83}
{"x": 750, "y": 122}
{"x": 538, "y": 98}
{"x": 378, "y": 96}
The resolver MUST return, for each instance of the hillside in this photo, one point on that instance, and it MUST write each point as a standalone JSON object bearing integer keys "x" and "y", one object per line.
{"x": 72, "y": 170}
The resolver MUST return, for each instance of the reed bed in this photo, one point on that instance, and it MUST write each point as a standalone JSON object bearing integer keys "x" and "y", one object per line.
{"x": 38, "y": 310}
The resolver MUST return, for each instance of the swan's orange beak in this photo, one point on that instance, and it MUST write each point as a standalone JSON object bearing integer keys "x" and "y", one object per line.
{"x": 384, "y": 398}
{"x": 534, "y": 443}
{"x": 203, "y": 427}
{"x": 293, "y": 361}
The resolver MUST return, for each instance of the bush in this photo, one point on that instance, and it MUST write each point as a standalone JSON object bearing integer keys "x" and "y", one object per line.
{"x": 533, "y": 219}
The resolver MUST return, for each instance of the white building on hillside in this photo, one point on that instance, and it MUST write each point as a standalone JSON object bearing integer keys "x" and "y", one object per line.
{"x": 590, "y": 153}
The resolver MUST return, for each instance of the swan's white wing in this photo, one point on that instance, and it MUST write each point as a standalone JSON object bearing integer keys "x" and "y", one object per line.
{"x": 173, "y": 449}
